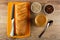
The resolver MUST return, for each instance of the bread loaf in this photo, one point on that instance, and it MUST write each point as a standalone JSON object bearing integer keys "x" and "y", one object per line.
{"x": 21, "y": 17}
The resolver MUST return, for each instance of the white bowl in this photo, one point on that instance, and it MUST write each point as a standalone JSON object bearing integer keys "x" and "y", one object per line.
{"x": 46, "y": 5}
{"x": 36, "y": 7}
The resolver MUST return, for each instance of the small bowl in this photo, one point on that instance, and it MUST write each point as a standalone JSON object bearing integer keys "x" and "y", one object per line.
{"x": 41, "y": 20}
{"x": 36, "y": 7}
{"x": 48, "y": 5}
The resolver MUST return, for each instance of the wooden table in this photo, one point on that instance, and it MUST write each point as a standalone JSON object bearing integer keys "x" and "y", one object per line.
{"x": 52, "y": 33}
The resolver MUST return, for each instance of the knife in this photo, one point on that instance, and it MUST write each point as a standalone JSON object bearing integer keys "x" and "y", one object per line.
{"x": 12, "y": 18}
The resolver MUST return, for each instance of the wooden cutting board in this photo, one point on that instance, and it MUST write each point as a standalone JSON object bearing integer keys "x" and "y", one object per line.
{"x": 52, "y": 33}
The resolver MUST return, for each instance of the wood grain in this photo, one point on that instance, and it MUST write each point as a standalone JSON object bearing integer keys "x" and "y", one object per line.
{"x": 52, "y": 33}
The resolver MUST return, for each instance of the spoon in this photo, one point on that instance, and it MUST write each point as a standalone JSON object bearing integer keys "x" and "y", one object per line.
{"x": 48, "y": 25}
